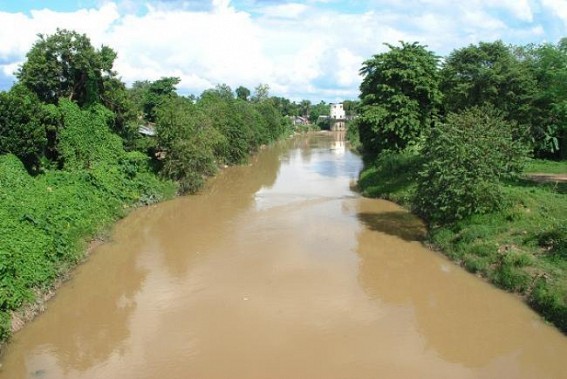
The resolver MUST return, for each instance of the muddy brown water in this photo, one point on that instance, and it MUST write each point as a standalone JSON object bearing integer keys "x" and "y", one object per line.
{"x": 279, "y": 270}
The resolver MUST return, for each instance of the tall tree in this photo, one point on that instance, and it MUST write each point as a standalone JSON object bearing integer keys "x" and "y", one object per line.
{"x": 321, "y": 109}
{"x": 66, "y": 65}
{"x": 548, "y": 64}
{"x": 400, "y": 97}
{"x": 261, "y": 93}
{"x": 22, "y": 131}
{"x": 488, "y": 73}
{"x": 156, "y": 92}
{"x": 242, "y": 93}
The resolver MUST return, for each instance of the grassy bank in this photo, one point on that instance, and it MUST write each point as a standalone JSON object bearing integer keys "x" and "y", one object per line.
{"x": 48, "y": 220}
{"x": 522, "y": 247}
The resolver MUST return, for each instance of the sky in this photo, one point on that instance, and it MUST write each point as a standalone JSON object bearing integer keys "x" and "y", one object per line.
{"x": 309, "y": 49}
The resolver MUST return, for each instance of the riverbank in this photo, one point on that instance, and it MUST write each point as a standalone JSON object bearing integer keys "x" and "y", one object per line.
{"x": 521, "y": 248}
{"x": 48, "y": 221}
{"x": 54, "y": 221}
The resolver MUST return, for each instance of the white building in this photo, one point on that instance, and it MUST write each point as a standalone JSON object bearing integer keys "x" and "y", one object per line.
{"x": 337, "y": 111}
{"x": 338, "y": 117}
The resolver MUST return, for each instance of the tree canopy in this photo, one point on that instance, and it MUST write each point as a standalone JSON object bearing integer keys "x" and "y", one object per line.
{"x": 399, "y": 96}
{"x": 66, "y": 65}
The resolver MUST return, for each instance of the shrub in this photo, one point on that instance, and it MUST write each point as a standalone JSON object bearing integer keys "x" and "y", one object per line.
{"x": 465, "y": 159}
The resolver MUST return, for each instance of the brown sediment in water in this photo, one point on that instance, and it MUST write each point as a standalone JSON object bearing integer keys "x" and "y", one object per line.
{"x": 31, "y": 310}
{"x": 278, "y": 270}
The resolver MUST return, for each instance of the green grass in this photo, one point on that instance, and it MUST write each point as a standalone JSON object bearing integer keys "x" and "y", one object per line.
{"x": 391, "y": 177}
{"x": 521, "y": 248}
{"x": 547, "y": 167}
{"x": 47, "y": 220}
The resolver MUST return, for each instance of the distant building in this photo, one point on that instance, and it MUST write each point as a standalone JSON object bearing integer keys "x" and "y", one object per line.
{"x": 337, "y": 119}
{"x": 337, "y": 111}
{"x": 299, "y": 120}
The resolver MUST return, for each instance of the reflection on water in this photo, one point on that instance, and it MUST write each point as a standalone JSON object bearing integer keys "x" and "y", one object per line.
{"x": 278, "y": 270}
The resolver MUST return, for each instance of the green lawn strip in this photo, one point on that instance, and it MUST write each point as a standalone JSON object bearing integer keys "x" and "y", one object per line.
{"x": 547, "y": 167}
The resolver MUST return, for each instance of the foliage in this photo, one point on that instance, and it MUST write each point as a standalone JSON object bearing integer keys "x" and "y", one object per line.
{"x": 546, "y": 166}
{"x": 242, "y": 93}
{"x": 489, "y": 73}
{"x": 66, "y": 65}
{"x": 519, "y": 247}
{"x": 188, "y": 142}
{"x": 351, "y": 107}
{"x": 124, "y": 118}
{"x": 22, "y": 131}
{"x": 218, "y": 129}
{"x": 261, "y": 92}
{"x": 465, "y": 158}
{"x": 548, "y": 65}
{"x": 45, "y": 219}
{"x": 321, "y": 109}
{"x": 399, "y": 97}
{"x": 72, "y": 116}
{"x": 85, "y": 139}
{"x": 157, "y": 92}
{"x": 391, "y": 176}
{"x": 353, "y": 137}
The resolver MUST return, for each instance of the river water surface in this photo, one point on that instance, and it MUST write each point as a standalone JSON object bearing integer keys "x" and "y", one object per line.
{"x": 279, "y": 270}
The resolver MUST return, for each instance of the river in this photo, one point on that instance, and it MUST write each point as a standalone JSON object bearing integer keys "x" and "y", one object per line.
{"x": 278, "y": 269}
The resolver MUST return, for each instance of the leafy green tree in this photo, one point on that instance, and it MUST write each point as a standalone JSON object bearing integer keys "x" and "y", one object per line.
{"x": 188, "y": 142}
{"x": 400, "y": 97}
{"x": 85, "y": 140}
{"x": 351, "y": 107}
{"x": 285, "y": 106}
{"x": 321, "y": 109}
{"x": 22, "y": 131}
{"x": 261, "y": 93}
{"x": 222, "y": 112}
{"x": 465, "y": 159}
{"x": 242, "y": 93}
{"x": 305, "y": 107}
{"x": 124, "y": 121}
{"x": 488, "y": 73}
{"x": 66, "y": 65}
{"x": 548, "y": 64}
{"x": 157, "y": 92}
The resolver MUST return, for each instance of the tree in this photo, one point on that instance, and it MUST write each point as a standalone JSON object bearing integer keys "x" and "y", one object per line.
{"x": 66, "y": 65}
{"x": 242, "y": 93}
{"x": 548, "y": 65}
{"x": 399, "y": 97}
{"x": 465, "y": 159}
{"x": 351, "y": 107}
{"x": 124, "y": 121}
{"x": 321, "y": 109}
{"x": 488, "y": 73}
{"x": 261, "y": 93}
{"x": 156, "y": 92}
{"x": 305, "y": 108}
{"x": 22, "y": 131}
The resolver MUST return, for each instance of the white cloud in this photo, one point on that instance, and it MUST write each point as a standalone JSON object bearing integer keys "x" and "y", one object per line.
{"x": 559, "y": 7}
{"x": 289, "y": 10}
{"x": 310, "y": 49}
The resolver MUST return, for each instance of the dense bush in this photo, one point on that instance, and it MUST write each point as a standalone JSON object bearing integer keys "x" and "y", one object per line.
{"x": 465, "y": 159}
{"x": 22, "y": 131}
{"x": 218, "y": 129}
{"x": 46, "y": 219}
